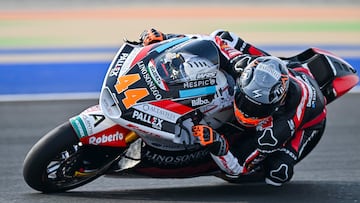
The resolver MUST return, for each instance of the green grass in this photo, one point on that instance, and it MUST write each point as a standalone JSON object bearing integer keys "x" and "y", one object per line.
{"x": 11, "y": 41}
{"x": 234, "y": 26}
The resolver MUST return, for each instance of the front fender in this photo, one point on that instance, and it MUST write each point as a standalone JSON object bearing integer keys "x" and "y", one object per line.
{"x": 93, "y": 128}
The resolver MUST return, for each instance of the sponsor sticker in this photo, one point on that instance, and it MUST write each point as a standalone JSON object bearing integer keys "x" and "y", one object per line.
{"x": 156, "y": 77}
{"x": 197, "y": 91}
{"x": 119, "y": 64}
{"x": 206, "y": 75}
{"x": 149, "y": 81}
{"x": 159, "y": 112}
{"x": 199, "y": 83}
{"x": 174, "y": 159}
{"x": 199, "y": 102}
{"x": 121, "y": 61}
{"x": 155, "y": 122}
{"x": 79, "y": 126}
{"x": 113, "y": 136}
{"x": 270, "y": 69}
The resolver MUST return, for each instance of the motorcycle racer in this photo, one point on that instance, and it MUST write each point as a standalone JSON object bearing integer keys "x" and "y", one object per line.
{"x": 280, "y": 104}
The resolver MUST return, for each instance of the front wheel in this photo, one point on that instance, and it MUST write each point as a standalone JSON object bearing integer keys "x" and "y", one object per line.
{"x": 57, "y": 162}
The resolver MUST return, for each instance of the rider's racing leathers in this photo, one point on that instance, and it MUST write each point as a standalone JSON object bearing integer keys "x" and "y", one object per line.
{"x": 290, "y": 133}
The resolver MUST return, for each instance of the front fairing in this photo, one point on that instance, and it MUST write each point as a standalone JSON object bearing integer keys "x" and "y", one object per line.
{"x": 138, "y": 94}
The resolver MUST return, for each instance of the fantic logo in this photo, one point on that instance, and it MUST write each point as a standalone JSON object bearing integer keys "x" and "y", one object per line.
{"x": 106, "y": 138}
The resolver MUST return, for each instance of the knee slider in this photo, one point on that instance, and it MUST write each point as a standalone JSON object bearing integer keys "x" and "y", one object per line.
{"x": 279, "y": 171}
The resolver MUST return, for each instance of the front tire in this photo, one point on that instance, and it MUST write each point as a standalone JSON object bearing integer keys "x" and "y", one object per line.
{"x": 52, "y": 163}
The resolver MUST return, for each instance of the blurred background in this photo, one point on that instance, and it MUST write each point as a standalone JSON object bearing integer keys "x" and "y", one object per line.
{"x": 62, "y": 49}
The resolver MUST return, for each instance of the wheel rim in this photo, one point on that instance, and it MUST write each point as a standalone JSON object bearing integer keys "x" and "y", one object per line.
{"x": 66, "y": 170}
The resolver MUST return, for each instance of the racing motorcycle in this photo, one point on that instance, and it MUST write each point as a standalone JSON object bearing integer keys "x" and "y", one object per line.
{"x": 148, "y": 99}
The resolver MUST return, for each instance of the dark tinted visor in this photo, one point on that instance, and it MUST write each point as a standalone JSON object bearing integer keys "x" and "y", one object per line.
{"x": 253, "y": 109}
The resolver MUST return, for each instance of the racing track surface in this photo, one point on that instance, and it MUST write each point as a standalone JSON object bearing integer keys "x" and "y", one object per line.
{"x": 330, "y": 174}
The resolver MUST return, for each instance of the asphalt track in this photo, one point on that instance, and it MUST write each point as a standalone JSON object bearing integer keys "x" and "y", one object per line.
{"x": 330, "y": 174}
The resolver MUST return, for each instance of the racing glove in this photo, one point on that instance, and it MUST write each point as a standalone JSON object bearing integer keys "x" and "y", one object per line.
{"x": 208, "y": 137}
{"x": 219, "y": 149}
{"x": 239, "y": 63}
{"x": 151, "y": 36}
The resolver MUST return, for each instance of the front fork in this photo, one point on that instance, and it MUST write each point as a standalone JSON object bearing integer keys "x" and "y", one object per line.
{"x": 94, "y": 129}
{"x": 131, "y": 137}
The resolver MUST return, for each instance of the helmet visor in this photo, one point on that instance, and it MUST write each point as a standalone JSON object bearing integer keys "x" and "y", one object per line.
{"x": 251, "y": 108}
{"x": 247, "y": 121}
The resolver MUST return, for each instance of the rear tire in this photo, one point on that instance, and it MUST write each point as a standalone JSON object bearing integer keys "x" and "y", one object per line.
{"x": 51, "y": 163}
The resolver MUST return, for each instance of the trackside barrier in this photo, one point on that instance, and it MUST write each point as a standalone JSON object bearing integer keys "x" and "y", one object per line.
{"x": 74, "y": 80}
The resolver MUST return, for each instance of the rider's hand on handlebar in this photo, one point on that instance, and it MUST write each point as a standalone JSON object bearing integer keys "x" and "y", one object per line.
{"x": 151, "y": 36}
{"x": 239, "y": 63}
{"x": 208, "y": 137}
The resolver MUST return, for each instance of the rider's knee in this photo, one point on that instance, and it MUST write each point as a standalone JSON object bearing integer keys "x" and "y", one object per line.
{"x": 280, "y": 174}
{"x": 279, "y": 169}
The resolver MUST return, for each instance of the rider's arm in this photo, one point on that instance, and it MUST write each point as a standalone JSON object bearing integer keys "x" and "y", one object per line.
{"x": 235, "y": 41}
{"x": 273, "y": 134}
{"x": 219, "y": 149}
{"x": 235, "y": 53}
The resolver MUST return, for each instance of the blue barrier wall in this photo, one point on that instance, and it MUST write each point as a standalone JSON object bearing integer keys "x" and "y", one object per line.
{"x": 39, "y": 78}
{"x": 70, "y": 77}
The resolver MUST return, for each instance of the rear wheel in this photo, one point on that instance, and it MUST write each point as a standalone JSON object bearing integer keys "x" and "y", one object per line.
{"x": 59, "y": 162}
